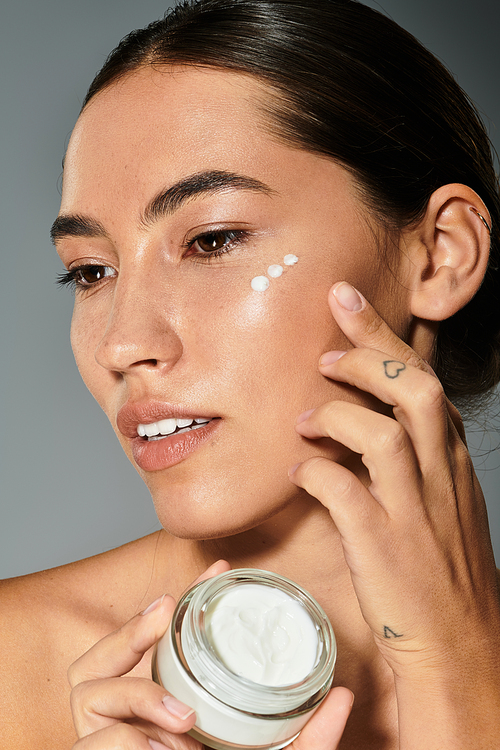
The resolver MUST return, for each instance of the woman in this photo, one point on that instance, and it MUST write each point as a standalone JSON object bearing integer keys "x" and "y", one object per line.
{"x": 212, "y": 146}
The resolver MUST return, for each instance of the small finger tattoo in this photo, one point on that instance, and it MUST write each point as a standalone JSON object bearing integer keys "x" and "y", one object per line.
{"x": 393, "y": 368}
{"x": 388, "y": 633}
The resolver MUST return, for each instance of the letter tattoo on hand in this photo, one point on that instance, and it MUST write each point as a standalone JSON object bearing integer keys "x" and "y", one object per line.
{"x": 388, "y": 633}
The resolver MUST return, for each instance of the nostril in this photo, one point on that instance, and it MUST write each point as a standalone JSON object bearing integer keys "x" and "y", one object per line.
{"x": 147, "y": 362}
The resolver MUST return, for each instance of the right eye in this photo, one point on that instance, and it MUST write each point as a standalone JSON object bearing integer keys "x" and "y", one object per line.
{"x": 85, "y": 277}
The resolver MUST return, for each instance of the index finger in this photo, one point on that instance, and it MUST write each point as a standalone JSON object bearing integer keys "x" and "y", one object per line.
{"x": 364, "y": 327}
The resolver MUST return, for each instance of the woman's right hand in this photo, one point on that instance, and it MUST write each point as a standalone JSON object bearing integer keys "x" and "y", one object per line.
{"x": 113, "y": 710}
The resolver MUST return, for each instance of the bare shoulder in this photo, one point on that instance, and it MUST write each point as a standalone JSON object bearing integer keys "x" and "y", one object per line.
{"x": 47, "y": 620}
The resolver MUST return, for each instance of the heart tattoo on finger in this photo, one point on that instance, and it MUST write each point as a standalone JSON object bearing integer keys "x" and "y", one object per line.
{"x": 393, "y": 368}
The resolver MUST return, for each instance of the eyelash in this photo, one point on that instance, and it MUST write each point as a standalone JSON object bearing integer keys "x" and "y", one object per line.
{"x": 73, "y": 278}
{"x": 233, "y": 238}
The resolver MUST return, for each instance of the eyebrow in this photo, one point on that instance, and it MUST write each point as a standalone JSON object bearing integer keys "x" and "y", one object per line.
{"x": 164, "y": 204}
{"x": 76, "y": 225}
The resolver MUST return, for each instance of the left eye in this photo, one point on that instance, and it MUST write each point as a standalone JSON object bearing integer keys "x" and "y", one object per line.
{"x": 212, "y": 244}
{"x": 214, "y": 241}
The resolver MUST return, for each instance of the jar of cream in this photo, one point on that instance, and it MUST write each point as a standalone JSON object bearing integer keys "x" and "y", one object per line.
{"x": 252, "y": 653}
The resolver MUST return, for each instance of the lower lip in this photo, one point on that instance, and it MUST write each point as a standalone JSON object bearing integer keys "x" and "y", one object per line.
{"x": 154, "y": 455}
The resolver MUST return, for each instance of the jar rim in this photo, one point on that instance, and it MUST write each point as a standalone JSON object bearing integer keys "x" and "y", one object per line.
{"x": 204, "y": 666}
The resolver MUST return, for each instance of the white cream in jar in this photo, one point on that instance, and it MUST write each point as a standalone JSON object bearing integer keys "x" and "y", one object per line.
{"x": 252, "y": 653}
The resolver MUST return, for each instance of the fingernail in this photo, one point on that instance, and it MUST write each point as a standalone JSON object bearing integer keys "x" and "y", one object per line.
{"x": 293, "y": 469}
{"x": 157, "y": 745}
{"x": 305, "y": 414}
{"x": 153, "y": 605}
{"x": 213, "y": 565}
{"x": 348, "y": 297}
{"x": 176, "y": 708}
{"x": 330, "y": 357}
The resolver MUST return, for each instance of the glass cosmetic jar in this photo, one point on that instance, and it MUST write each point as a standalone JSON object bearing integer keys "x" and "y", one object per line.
{"x": 252, "y": 653}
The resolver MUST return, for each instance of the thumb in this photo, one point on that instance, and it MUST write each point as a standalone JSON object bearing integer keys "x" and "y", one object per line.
{"x": 325, "y": 728}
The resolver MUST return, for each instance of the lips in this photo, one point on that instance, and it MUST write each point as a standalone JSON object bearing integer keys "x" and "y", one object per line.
{"x": 158, "y": 430}
{"x": 154, "y": 444}
{"x": 132, "y": 414}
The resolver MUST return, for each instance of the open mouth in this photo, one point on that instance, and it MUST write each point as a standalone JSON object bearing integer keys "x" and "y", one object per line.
{"x": 161, "y": 444}
{"x": 167, "y": 427}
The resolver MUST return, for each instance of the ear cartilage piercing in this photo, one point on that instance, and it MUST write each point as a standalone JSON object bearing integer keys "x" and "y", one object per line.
{"x": 261, "y": 283}
{"x": 475, "y": 211}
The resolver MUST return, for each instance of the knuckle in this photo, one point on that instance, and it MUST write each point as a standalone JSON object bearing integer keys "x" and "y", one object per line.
{"x": 413, "y": 360}
{"x": 392, "y": 439}
{"x": 329, "y": 411}
{"x": 343, "y": 485}
{"x": 430, "y": 395}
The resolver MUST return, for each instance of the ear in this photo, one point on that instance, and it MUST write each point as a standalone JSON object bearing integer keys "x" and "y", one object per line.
{"x": 446, "y": 254}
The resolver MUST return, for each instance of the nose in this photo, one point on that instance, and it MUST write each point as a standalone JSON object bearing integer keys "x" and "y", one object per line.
{"x": 140, "y": 330}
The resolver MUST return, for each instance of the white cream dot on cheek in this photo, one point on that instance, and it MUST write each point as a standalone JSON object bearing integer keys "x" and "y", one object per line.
{"x": 275, "y": 271}
{"x": 290, "y": 260}
{"x": 260, "y": 283}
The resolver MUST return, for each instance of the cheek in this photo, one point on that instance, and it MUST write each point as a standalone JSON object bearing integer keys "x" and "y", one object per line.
{"x": 84, "y": 336}
{"x": 270, "y": 342}
{"x": 290, "y": 319}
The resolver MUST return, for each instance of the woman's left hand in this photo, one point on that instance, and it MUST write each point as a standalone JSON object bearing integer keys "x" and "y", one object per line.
{"x": 416, "y": 539}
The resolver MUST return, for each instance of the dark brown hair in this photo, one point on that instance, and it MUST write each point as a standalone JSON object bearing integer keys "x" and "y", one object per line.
{"x": 356, "y": 87}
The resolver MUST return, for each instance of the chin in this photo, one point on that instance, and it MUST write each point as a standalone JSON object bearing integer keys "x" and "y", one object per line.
{"x": 207, "y": 515}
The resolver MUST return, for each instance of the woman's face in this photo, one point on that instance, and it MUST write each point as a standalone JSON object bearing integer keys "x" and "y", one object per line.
{"x": 168, "y": 325}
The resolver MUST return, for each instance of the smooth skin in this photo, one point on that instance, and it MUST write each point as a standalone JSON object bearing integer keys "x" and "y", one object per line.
{"x": 350, "y": 476}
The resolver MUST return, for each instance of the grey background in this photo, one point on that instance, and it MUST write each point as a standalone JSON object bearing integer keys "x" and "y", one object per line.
{"x": 66, "y": 489}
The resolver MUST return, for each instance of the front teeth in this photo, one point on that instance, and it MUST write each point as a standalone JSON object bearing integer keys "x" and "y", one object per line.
{"x": 169, "y": 426}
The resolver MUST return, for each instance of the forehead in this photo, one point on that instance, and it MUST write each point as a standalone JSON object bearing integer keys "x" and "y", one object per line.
{"x": 195, "y": 118}
{"x": 156, "y": 127}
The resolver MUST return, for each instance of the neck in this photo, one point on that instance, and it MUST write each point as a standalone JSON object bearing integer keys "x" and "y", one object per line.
{"x": 303, "y": 544}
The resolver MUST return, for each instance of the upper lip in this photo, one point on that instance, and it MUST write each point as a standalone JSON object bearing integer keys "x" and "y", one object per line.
{"x": 133, "y": 414}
